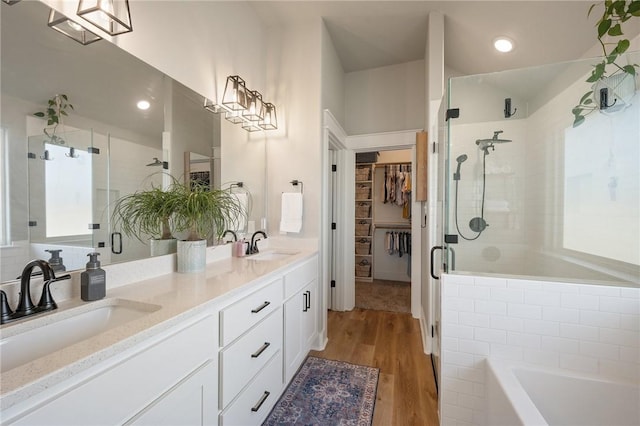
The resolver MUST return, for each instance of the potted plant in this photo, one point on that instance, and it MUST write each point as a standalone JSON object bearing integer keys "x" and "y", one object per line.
{"x": 202, "y": 212}
{"x": 609, "y": 72}
{"x": 56, "y": 110}
{"x": 147, "y": 213}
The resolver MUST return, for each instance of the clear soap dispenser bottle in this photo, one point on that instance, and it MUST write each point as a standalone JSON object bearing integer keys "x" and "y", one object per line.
{"x": 93, "y": 281}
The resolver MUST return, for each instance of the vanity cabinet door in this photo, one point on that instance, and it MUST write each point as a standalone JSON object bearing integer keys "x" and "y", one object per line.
{"x": 300, "y": 314}
{"x": 192, "y": 402}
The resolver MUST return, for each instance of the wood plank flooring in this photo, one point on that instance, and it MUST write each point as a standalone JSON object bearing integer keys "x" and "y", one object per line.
{"x": 391, "y": 342}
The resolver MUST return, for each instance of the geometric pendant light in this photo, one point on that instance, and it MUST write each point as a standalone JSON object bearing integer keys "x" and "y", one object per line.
{"x": 71, "y": 29}
{"x": 111, "y": 16}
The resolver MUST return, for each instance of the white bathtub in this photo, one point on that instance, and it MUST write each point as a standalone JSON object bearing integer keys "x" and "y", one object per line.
{"x": 528, "y": 395}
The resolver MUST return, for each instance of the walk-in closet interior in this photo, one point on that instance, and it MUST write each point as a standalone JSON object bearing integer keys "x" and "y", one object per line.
{"x": 383, "y": 230}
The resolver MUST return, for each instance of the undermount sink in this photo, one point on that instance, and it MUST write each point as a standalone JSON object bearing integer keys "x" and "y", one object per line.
{"x": 273, "y": 255}
{"x": 50, "y": 333}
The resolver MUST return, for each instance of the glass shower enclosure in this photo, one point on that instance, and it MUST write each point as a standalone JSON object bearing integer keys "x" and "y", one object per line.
{"x": 529, "y": 194}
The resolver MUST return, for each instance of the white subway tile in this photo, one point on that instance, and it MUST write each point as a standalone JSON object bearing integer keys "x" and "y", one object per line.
{"x": 519, "y": 310}
{"x": 599, "y": 290}
{"x": 490, "y": 282}
{"x": 630, "y": 292}
{"x": 479, "y": 389}
{"x": 449, "y": 317}
{"x": 620, "y": 305}
{"x": 450, "y": 290}
{"x": 457, "y": 385}
{"x": 630, "y": 322}
{"x": 628, "y": 372}
{"x": 490, "y": 335}
{"x": 458, "y": 279}
{"x": 474, "y": 347}
{"x": 449, "y": 370}
{"x": 490, "y": 307}
{"x": 578, "y": 301}
{"x": 524, "y": 284}
{"x": 471, "y": 374}
{"x": 458, "y": 304}
{"x": 560, "y": 345}
{"x": 542, "y": 358}
{"x": 513, "y": 353}
{"x": 513, "y": 295}
{"x": 469, "y": 401}
{"x": 502, "y": 322}
{"x": 629, "y": 354}
{"x": 561, "y": 288}
{"x": 473, "y": 319}
{"x": 580, "y": 332}
{"x": 458, "y": 358}
{"x": 620, "y": 337}
{"x": 457, "y": 412}
{"x": 533, "y": 297}
{"x": 600, "y": 319}
{"x": 600, "y": 350}
{"x": 473, "y": 292}
{"x": 579, "y": 363}
{"x": 547, "y": 328}
{"x": 479, "y": 416}
{"x": 524, "y": 340}
{"x": 450, "y": 397}
{"x": 561, "y": 314}
{"x": 459, "y": 331}
{"x": 450, "y": 343}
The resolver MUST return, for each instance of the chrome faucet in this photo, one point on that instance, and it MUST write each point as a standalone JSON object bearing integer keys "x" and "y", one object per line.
{"x": 253, "y": 247}
{"x": 25, "y": 304}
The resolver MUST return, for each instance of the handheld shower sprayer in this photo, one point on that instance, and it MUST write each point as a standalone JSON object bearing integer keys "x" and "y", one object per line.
{"x": 461, "y": 159}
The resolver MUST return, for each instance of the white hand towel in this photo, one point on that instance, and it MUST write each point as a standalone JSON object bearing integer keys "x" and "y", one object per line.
{"x": 291, "y": 215}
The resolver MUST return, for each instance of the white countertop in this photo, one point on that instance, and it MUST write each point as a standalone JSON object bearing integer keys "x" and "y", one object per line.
{"x": 180, "y": 297}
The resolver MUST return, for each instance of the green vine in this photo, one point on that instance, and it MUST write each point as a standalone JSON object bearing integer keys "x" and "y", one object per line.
{"x": 614, "y": 14}
{"x": 56, "y": 109}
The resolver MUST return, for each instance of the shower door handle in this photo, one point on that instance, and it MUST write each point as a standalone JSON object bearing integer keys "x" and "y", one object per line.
{"x": 113, "y": 243}
{"x": 433, "y": 250}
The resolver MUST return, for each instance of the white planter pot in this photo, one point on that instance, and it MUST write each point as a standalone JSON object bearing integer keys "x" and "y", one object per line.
{"x": 162, "y": 247}
{"x": 192, "y": 256}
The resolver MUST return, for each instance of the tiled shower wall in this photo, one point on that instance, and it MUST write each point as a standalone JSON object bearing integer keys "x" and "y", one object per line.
{"x": 587, "y": 328}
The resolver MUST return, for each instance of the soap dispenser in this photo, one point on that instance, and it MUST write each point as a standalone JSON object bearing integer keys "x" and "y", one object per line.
{"x": 93, "y": 281}
{"x": 56, "y": 261}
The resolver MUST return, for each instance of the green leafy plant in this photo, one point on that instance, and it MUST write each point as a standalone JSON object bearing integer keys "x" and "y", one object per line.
{"x": 56, "y": 110}
{"x": 145, "y": 213}
{"x": 611, "y": 37}
{"x": 203, "y": 211}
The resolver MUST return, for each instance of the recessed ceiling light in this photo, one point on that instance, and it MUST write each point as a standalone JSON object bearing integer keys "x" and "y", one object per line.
{"x": 503, "y": 44}
{"x": 143, "y": 105}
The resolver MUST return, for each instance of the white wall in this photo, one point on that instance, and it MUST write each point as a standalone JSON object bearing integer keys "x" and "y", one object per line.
{"x": 385, "y": 99}
{"x": 579, "y": 327}
{"x": 333, "y": 79}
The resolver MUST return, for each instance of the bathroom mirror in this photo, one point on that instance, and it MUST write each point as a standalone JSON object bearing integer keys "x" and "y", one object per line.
{"x": 103, "y": 83}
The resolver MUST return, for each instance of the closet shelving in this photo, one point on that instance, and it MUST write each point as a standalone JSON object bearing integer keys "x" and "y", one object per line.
{"x": 364, "y": 221}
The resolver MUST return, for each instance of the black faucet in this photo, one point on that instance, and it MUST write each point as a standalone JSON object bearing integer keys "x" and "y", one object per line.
{"x": 25, "y": 304}
{"x": 229, "y": 231}
{"x": 253, "y": 247}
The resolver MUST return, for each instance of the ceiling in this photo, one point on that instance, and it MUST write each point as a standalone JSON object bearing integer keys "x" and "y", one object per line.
{"x": 371, "y": 34}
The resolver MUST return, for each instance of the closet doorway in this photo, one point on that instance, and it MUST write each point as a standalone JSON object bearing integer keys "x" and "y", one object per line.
{"x": 383, "y": 230}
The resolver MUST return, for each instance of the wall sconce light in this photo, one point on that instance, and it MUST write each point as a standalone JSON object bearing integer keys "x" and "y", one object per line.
{"x": 270, "y": 120}
{"x": 71, "y": 29}
{"x": 10, "y": 2}
{"x": 111, "y": 16}
{"x": 235, "y": 94}
{"x": 255, "y": 107}
{"x": 244, "y": 106}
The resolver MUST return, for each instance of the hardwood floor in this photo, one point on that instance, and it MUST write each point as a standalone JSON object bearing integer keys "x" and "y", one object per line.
{"x": 391, "y": 342}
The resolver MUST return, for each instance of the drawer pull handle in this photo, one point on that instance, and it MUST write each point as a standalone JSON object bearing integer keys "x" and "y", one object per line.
{"x": 261, "y": 307}
{"x": 263, "y": 348}
{"x": 262, "y": 400}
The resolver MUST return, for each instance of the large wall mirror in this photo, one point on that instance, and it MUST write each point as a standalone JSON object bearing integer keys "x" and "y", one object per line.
{"x": 56, "y": 195}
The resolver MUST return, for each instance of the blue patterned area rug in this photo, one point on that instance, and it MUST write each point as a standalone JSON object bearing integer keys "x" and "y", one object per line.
{"x": 326, "y": 392}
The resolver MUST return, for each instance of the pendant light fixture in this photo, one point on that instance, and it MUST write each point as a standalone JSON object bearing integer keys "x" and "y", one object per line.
{"x": 71, "y": 29}
{"x": 10, "y": 2}
{"x": 111, "y": 16}
{"x": 270, "y": 120}
{"x": 251, "y": 126}
{"x": 255, "y": 106}
{"x": 235, "y": 94}
{"x": 234, "y": 116}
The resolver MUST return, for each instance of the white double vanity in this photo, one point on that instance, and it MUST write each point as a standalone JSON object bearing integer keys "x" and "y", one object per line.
{"x": 215, "y": 348}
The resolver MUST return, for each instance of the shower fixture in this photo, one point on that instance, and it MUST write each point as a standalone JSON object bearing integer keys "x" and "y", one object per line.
{"x": 485, "y": 144}
{"x": 461, "y": 159}
{"x": 156, "y": 162}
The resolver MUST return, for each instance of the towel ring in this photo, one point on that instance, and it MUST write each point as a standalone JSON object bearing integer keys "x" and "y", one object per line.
{"x": 297, "y": 182}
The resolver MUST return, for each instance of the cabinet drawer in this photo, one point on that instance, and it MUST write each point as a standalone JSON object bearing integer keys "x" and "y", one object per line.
{"x": 297, "y": 278}
{"x": 245, "y": 357}
{"x": 256, "y": 401}
{"x": 242, "y": 315}
{"x": 114, "y": 395}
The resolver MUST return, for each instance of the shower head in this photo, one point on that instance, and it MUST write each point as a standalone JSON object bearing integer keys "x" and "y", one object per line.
{"x": 485, "y": 144}
{"x": 461, "y": 159}
{"x": 155, "y": 162}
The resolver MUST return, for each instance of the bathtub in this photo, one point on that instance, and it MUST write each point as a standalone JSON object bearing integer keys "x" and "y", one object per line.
{"x": 529, "y": 395}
